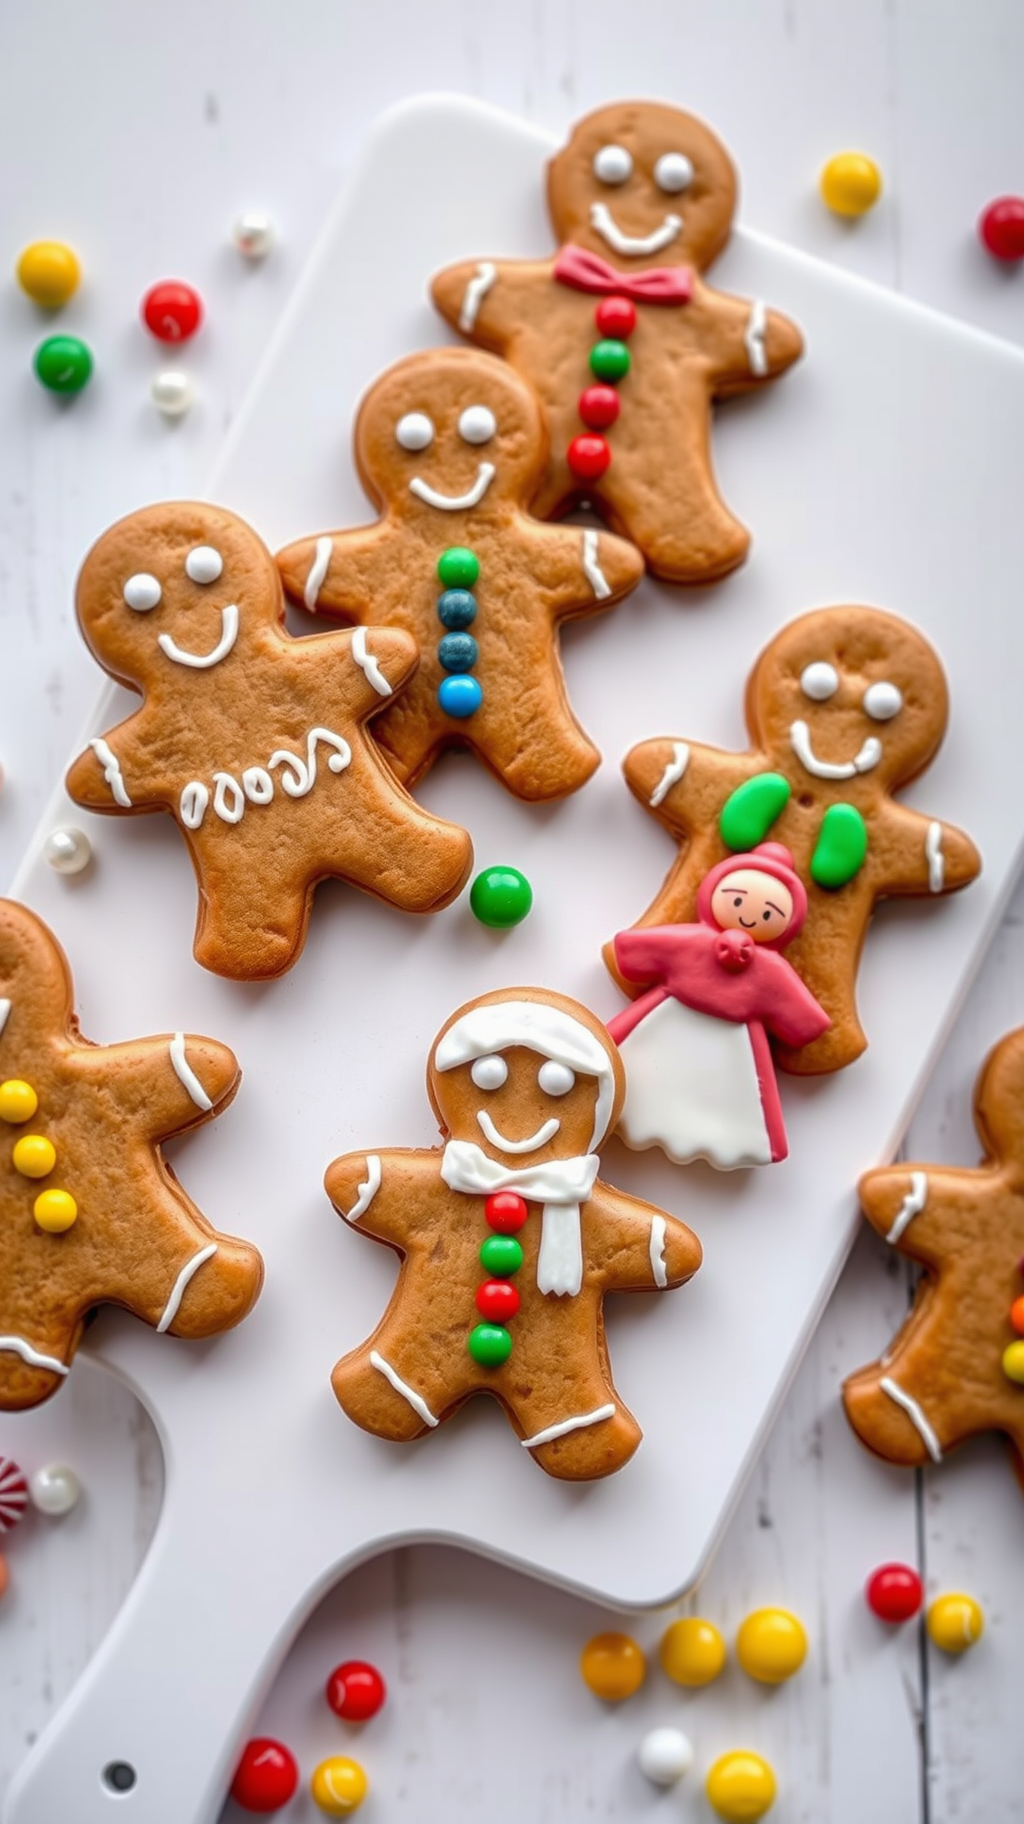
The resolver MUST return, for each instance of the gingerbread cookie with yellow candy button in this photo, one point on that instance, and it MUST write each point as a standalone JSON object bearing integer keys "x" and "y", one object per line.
{"x": 509, "y": 1240}
{"x": 450, "y": 446}
{"x": 254, "y": 742}
{"x": 627, "y": 357}
{"x": 90, "y": 1211}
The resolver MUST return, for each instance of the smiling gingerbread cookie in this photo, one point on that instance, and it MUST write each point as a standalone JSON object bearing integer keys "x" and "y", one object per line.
{"x": 509, "y": 1240}
{"x": 253, "y": 741}
{"x": 450, "y": 445}
{"x": 627, "y": 357}
{"x": 844, "y": 706}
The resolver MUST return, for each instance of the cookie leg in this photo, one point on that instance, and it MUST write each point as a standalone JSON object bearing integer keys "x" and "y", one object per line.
{"x": 392, "y": 847}
{"x": 378, "y": 1387}
{"x": 539, "y": 755}
{"x": 580, "y": 1446}
{"x": 252, "y": 918}
{"x": 667, "y": 503}
{"x": 893, "y": 1415}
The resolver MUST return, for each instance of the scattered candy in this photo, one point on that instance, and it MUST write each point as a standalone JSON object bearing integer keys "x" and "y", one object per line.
{"x": 771, "y": 1645}
{"x": 172, "y": 392}
{"x": 68, "y": 851}
{"x": 955, "y": 1622}
{"x": 18, "y": 1101}
{"x": 253, "y": 234}
{"x": 339, "y": 1786}
{"x": 49, "y": 272}
{"x": 13, "y": 1494}
{"x": 741, "y": 1786}
{"x": 63, "y": 364}
{"x": 356, "y": 1691}
{"x": 692, "y": 1651}
{"x": 267, "y": 1776}
{"x": 665, "y": 1755}
{"x": 5, "y": 1576}
{"x": 850, "y": 183}
{"x": 1001, "y": 228}
{"x": 613, "y": 1666}
{"x": 55, "y": 1490}
{"x": 501, "y": 897}
{"x": 894, "y": 1592}
{"x": 54, "y": 1211}
{"x": 171, "y": 311}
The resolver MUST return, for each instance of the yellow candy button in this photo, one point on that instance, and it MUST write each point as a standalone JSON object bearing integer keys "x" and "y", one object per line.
{"x": 955, "y": 1622}
{"x": 741, "y": 1786}
{"x": 49, "y": 272}
{"x": 18, "y": 1101}
{"x": 339, "y": 1786}
{"x": 851, "y": 183}
{"x": 55, "y": 1211}
{"x": 771, "y": 1645}
{"x": 34, "y": 1156}
{"x": 1013, "y": 1362}
{"x": 613, "y": 1666}
{"x": 692, "y": 1651}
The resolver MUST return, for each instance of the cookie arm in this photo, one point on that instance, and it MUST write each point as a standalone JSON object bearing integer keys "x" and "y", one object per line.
{"x": 101, "y": 777}
{"x": 918, "y": 854}
{"x": 747, "y": 343}
{"x": 581, "y": 569}
{"x": 361, "y": 671}
{"x": 335, "y": 573}
{"x": 638, "y": 1247}
{"x": 476, "y": 298}
{"x": 165, "y": 1085}
{"x": 913, "y": 1207}
{"x": 685, "y": 785}
{"x": 389, "y": 1195}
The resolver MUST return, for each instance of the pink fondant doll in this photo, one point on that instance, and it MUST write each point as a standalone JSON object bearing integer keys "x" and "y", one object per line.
{"x": 700, "y": 1081}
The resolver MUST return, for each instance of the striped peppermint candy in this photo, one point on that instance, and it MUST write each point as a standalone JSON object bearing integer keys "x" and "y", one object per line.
{"x": 13, "y": 1494}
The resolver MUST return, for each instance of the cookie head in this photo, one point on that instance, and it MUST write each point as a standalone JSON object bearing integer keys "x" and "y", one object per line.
{"x": 448, "y": 431}
{"x": 639, "y": 182}
{"x": 999, "y": 1102}
{"x": 529, "y": 1078}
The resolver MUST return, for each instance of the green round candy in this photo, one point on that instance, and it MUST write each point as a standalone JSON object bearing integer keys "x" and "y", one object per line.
{"x": 458, "y": 568}
{"x": 501, "y": 897}
{"x": 489, "y": 1344}
{"x": 501, "y": 1255}
{"x": 749, "y": 812}
{"x": 609, "y": 360}
{"x": 841, "y": 847}
{"x": 63, "y": 363}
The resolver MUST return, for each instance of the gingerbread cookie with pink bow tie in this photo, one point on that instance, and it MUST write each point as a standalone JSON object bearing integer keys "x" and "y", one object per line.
{"x": 621, "y": 338}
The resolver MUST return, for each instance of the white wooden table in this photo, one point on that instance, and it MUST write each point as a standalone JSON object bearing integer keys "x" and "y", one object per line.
{"x": 137, "y": 134}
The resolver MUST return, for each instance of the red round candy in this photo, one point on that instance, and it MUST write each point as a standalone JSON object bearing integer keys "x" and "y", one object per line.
{"x": 599, "y": 407}
{"x": 267, "y": 1776}
{"x": 497, "y": 1300}
{"x": 894, "y": 1592}
{"x": 588, "y": 457}
{"x": 1017, "y": 1315}
{"x": 13, "y": 1494}
{"x": 616, "y": 317}
{"x": 355, "y": 1690}
{"x": 506, "y": 1211}
{"x": 1001, "y": 227}
{"x": 172, "y": 311}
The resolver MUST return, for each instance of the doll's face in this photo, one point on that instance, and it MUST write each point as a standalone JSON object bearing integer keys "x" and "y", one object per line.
{"x": 521, "y": 1107}
{"x": 751, "y": 901}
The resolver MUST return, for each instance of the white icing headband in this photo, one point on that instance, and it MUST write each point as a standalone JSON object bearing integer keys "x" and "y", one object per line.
{"x": 541, "y": 1028}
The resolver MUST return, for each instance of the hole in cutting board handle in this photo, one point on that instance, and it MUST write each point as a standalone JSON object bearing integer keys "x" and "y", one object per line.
{"x": 119, "y": 1777}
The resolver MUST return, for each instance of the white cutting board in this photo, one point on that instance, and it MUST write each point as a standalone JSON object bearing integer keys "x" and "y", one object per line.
{"x": 884, "y": 469}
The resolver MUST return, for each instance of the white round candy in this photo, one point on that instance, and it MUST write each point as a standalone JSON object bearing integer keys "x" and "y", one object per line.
{"x": 253, "y": 234}
{"x": 882, "y": 701}
{"x": 54, "y": 1490}
{"x": 477, "y": 424}
{"x": 555, "y": 1079}
{"x": 489, "y": 1073}
{"x": 673, "y": 172}
{"x": 68, "y": 851}
{"x": 172, "y": 393}
{"x": 414, "y": 431}
{"x": 613, "y": 164}
{"x": 203, "y": 564}
{"x": 665, "y": 1755}
{"x": 819, "y": 681}
{"x": 142, "y": 592}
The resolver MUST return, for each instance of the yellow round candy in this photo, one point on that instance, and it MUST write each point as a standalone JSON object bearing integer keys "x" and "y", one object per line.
{"x": 339, "y": 1786}
{"x": 613, "y": 1666}
{"x": 18, "y": 1101}
{"x": 771, "y": 1645}
{"x": 955, "y": 1622}
{"x": 34, "y": 1155}
{"x": 692, "y": 1651}
{"x": 1013, "y": 1362}
{"x": 55, "y": 1211}
{"x": 741, "y": 1786}
{"x": 49, "y": 271}
{"x": 851, "y": 183}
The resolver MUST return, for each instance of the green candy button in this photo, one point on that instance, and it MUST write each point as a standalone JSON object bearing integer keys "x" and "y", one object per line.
{"x": 63, "y": 364}
{"x": 841, "y": 847}
{"x": 501, "y": 897}
{"x": 609, "y": 360}
{"x": 458, "y": 568}
{"x": 749, "y": 812}
{"x": 489, "y": 1344}
{"x": 502, "y": 1256}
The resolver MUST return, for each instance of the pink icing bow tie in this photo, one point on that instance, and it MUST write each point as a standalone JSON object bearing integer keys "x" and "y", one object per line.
{"x": 586, "y": 271}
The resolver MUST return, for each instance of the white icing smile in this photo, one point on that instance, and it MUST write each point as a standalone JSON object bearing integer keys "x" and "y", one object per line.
{"x": 202, "y": 661}
{"x": 451, "y": 503}
{"x": 869, "y": 756}
{"x": 540, "y": 1138}
{"x": 607, "y": 227}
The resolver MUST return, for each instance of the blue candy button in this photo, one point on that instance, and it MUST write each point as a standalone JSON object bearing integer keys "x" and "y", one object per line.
{"x": 457, "y": 652}
{"x": 459, "y": 696}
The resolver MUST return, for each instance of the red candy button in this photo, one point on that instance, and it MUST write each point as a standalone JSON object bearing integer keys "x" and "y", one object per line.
{"x": 267, "y": 1776}
{"x": 599, "y": 407}
{"x": 588, "y": 457}
{"x": 356, "y": 1691}
{"x": 894, "y": 1592}
{"x": 506, "y": 1211}
{"x": 171, "y": 311}
{"x": 498, "y": 1300}
{"x": 1001, "y": 228}
{"x": 1017, "y": 1315}
{"x": 616, "y": 317}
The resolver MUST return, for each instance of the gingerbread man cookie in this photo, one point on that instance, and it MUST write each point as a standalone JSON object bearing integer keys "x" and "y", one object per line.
{"x": 91, "y": 1213}
{"x": 255, "y": 742}
{"x": 627, "y": 358}
{"x": 509, "y": 1240}
{"x": 957, "y": 1366}
{"x": 450, "y": 446}
{"x": 844, "y": 706}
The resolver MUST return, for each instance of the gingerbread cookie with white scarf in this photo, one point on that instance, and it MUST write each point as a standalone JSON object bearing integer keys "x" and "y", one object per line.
{"x": 509, "y": 1240}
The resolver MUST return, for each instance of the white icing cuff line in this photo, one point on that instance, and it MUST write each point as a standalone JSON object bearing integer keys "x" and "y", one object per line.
{"x": 367, "y": 1191}
{"x": 317, "y": 572}
{"x": 186, "y": 1075}
{"x": 658, "y": 1228}
{"x": 591, "y": 567}
{"x": 673, "y": 773}
{"x": 5, "y": 1008}
{"x": 408, "y": 1393}
{"x": 188, "y": 1272}
{"x": 915, "y": 1415}
{"x": 566, "y": 1425}
{"x": 912, "y": 1205}
{"x": 16, "y": 1345}
{"x": 368, "y": 664}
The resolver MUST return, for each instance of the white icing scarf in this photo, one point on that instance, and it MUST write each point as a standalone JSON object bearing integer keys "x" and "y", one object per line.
{"x": 561, "y": 1185}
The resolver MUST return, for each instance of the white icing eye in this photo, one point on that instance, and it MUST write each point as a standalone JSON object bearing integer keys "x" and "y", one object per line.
{"x": 489, "y": 1073}
{"x": 673, "y": 172}
{"x": 477, "y": 424}
{"x": 882, "y": 701}
{"x": 414, "y": 431}
{"x": 613, "y": 164}
{"x": 142, "y": 592}
{"x": 555, "y": 1079}
{"x": 204, "y": 564}
{"x": 819, "y": 681}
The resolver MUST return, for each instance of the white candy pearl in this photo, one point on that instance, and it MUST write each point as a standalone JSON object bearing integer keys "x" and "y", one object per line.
{"x": 665, "y": 1755}
{"x": 54, "y": 1490}
{"x": 68, "y": 851}
{"x": 172, "y": 393}
{"x": 253, "y": 234}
